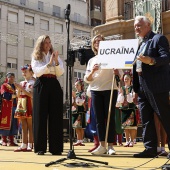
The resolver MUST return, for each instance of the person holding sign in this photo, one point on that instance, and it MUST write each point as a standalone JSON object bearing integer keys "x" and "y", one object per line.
{"x": 151, "y": 84}
{"x": 100, "y": 81}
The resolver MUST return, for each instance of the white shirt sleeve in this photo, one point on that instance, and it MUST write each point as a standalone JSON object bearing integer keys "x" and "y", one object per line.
{"x": 130, "y": 98}
{"x": 39, "y": 68}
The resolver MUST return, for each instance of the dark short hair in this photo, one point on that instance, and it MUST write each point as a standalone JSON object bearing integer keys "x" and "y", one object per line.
{"x": 9, "y": 74}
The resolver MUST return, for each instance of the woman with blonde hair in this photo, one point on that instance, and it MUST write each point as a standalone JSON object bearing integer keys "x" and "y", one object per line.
{"x": 47, "y": 98}
{"x": 100, "y": 81}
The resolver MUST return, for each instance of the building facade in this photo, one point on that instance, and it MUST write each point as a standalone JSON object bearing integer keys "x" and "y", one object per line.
{"x": 23, "y": 21}
{"x": 97, "y": 12}
{"x": 120, "y": 18}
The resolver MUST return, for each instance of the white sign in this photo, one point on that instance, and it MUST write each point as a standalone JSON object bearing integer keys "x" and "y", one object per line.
{"x": 118, "y": 54}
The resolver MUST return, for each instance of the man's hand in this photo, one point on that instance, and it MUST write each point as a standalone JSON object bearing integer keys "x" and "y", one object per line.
{"x": 144, "y": 59}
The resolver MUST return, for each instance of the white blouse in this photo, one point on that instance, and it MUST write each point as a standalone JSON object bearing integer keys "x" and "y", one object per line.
{"x": 102, "y": 78}
{"x": 40, "y": 67}
{"x": 27, "y": 85}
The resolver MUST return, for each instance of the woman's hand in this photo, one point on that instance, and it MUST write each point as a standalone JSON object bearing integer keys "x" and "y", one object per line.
{"x": 55, "y": 57}
{"x": 90, "y": 76}
{"x": 95, "y": 68}
{"x": 116, "y": 71}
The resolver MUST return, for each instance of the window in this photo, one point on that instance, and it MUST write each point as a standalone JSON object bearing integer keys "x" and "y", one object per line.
{"x": 12, "y": 63}
{"x": 77, "y": 32}
{"x": 12, "y": 17}
{"x": 12, "y": 39}
{"x": 128, "y": 10}
{"x": 58, "y": 28}
{"x": 76, "y": 17}
{"x": 96, "y": 5}
{"x": 27, "y": 62}
{"x": 79, "y": 74}
{"x": 28, "y": 42}
{"x": 59, "y": 48}
{"x": 29, "y": 20}
{"x": 44, "y": 24}
{"x": 40, "y": 5}
{"x": 56, "y": 11}
{"x": 23, "y": 2}
{"x": 165, "y": 5}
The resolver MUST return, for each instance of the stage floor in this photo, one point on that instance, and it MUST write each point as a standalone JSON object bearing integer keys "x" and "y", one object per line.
{"x": 10, "y": 160}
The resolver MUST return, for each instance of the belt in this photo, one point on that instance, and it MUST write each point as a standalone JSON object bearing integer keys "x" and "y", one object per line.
{"x": 139, "y": 73}
{"x": 49, "y": 76}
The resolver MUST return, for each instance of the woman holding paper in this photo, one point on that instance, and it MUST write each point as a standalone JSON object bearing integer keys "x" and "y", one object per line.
{"x": 100, "y": 81}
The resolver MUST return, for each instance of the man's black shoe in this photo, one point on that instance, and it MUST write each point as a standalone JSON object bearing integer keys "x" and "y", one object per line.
{"x": 145, "y": 154}
{"x": 168, "y": 156}
{"x": 40, "y": 153}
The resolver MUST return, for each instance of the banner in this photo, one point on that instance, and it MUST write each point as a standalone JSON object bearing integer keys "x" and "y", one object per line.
{"x": 152, "y": 10}
{"x": 118, "y": 54}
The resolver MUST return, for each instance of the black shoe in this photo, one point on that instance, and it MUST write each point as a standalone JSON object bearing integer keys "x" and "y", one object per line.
{"x": 40, "y": 153}
{"x": 168, "y": 156}
{"x": 145, "y": 154}
{"x": 56, "y": 153}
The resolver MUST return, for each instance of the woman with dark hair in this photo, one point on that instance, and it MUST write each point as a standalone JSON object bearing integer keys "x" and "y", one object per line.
{"x": 47, "y": 98}
{"x": 8, "y": 124}
{"x": 100, "y": 81}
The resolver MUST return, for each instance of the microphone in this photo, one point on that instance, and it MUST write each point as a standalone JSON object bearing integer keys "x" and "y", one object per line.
{"x": 67, "y": 11}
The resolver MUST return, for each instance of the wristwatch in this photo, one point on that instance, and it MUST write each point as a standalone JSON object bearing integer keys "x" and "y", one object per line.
{"x": 153, "y": 62}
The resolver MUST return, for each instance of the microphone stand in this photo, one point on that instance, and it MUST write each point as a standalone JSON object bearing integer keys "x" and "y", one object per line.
{"x": 70, "y": 63}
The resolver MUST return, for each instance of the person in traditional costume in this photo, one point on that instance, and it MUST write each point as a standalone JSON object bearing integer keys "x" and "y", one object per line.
{"x": 128, "y": 109}
{"x": 118, "y": 128}
{"x": 24, "y": 108}
{"x": 161, "y": 136}
{"x": 47, "y": 98}
{"x": 78, "y": 116}
{"x": 8, "y": 124}
{"x": 92, "y": 122}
